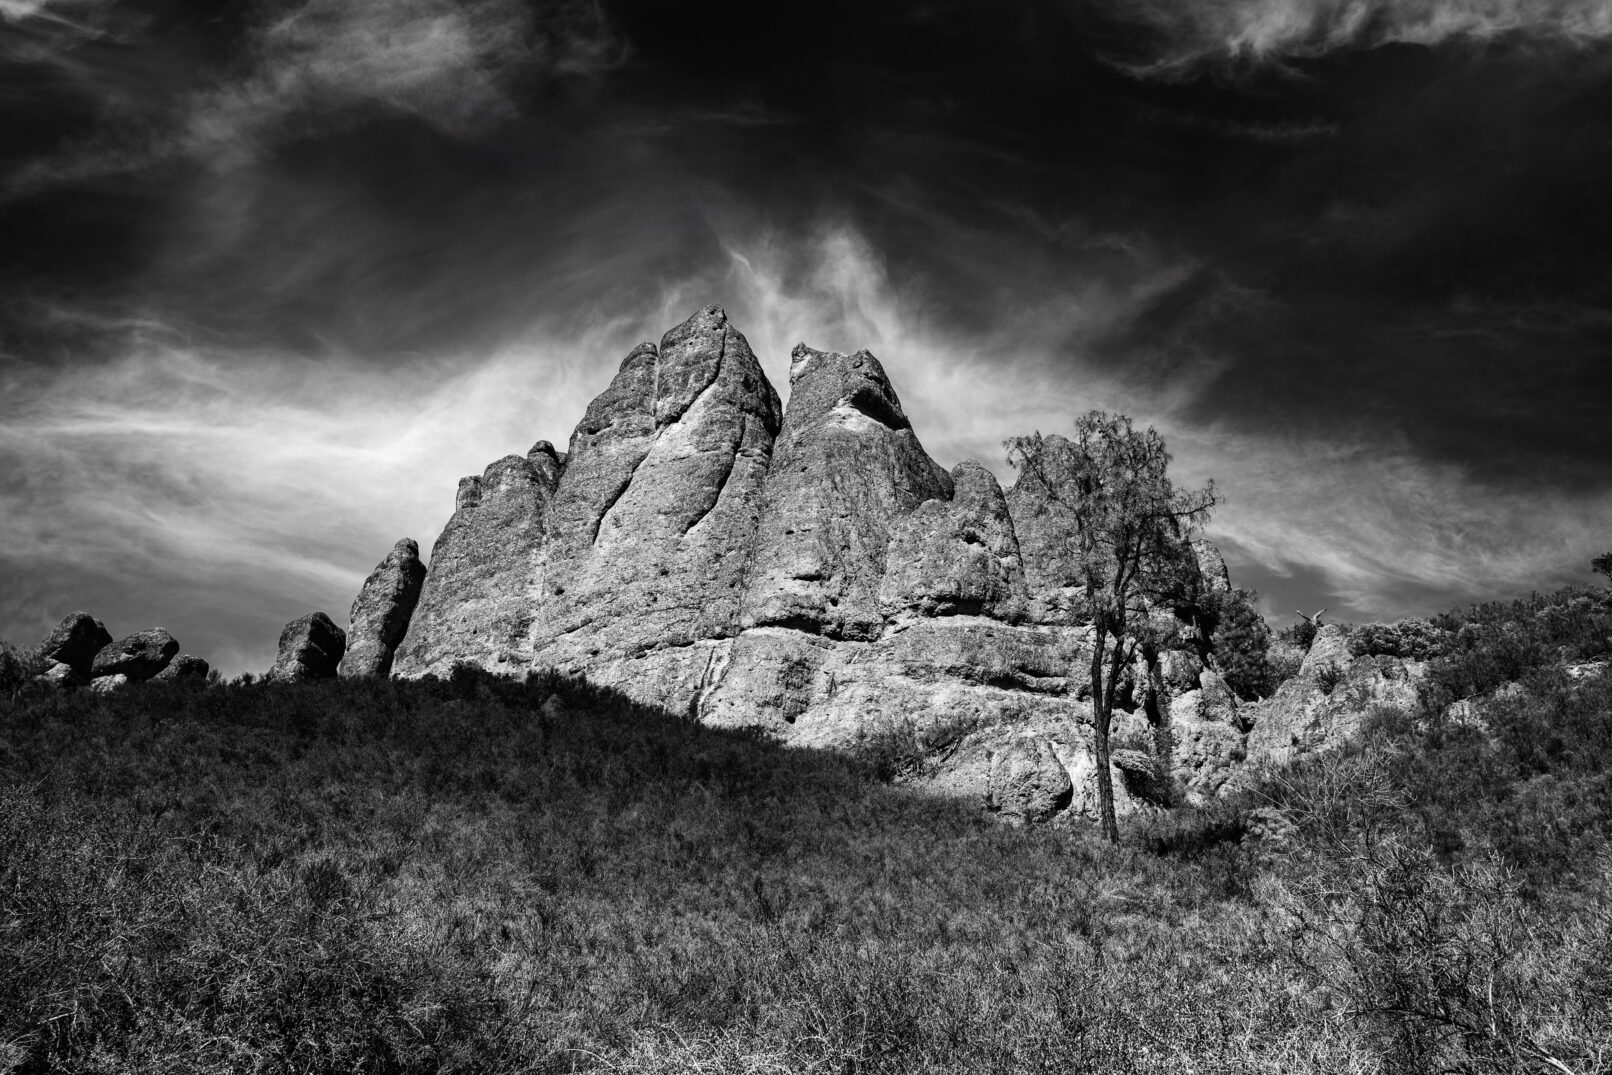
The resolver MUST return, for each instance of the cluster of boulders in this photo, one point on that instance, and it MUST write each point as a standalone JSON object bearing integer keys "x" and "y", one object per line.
{"x": 313, "y": 647}
{"x": 80, "y": 652}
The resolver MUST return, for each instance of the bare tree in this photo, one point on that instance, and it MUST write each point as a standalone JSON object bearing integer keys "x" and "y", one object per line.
{"x": 1129, "y": 534}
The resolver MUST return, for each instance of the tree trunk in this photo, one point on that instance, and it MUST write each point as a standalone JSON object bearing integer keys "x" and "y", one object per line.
{"x": 1102, "y": 704}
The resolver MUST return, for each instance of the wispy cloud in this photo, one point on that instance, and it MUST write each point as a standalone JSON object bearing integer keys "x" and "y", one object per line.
{"x": 324, "y": 64}
{"x": 1194, "y": 33}
{"x": 223, "y": 492}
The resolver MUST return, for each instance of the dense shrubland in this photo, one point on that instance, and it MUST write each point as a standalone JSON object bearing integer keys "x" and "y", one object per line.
{"x": 482, "y": 875}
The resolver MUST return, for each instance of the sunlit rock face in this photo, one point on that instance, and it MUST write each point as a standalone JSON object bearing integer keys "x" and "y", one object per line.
{"x": 815, "y": 573}
{"x": 847, "y": 466}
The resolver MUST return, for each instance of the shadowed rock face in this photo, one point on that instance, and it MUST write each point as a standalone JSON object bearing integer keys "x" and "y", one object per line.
{"x": 956, "y": 557}
{"x": 812, "y": 572}
{"x": 311, "y": 647}
{"x": 380, "y": 616}
{"x": 187, "y": 667}
{"x": 846, "y": 467}
{"x": 75, "y": 642}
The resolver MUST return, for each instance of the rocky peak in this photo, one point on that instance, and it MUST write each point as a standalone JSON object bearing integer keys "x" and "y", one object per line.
{"x": 547, "y": 463}
{"x": 677, "y": 515}
{"x": 846, "y": 465}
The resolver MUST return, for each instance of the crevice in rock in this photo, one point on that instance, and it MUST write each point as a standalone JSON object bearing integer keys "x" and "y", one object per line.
{"x": 873, "y": 403}
{"x": 621, "y": 491}
{"x": 722, "y": 485}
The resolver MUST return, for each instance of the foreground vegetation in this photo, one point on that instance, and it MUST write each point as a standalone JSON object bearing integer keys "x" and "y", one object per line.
{"x": 482, "y": 876}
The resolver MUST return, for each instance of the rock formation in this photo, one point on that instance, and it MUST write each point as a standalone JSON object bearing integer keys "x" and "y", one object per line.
{"x": 380, "y": 615}
{"x": 138, "y": 656}
{"x": 311, "y": 647}
{"x": 186, "y": 667}
{"x": 75, "y": 642}
{"x": 812, "y": 572}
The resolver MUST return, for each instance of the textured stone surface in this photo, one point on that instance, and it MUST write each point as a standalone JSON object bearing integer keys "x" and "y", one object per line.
{"x": 138, "y": 656}
{"x": 75, "y": 642}
{"x": 1212, "y": 567}
{"x": 110, "y": 684}
{"x": 668, "y": 508}
{"x": 845, "y": 467}
{"x": 61, "y": 677}
{"x": 186, "y": 667}
{"x": 311, "y": 647}
{"x": 1028, "y": 783}
{"x": 380, "y": 615}
{"x": 1044, "y": 525}
{"x": 473, "y": 604}
{"x": 1324, "y": 706}
{"x": 957, "y": 556}
{"x": 1330, "y": 648}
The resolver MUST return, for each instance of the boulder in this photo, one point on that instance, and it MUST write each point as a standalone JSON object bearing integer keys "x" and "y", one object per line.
{"x": 1142, "y": 776}
{"x": 109, "y": 684}
{"x": 381, "y": 612}
{"x": 186, "y": 667}
{"x": 845, "y": 467}
{"x": 311, "y": 647}
{"x": 1028, "y": 783}
{"x": 75, "y": 642}
{"x": 61, "y": 677}
{"x": 1329, "y": 649}
{"x": 138, "y": 656}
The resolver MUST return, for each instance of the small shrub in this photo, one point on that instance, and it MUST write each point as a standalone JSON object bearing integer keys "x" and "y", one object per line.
{"x": 1300, "y": 634}
{"x": 1327, "y": 677}
{"x": 1451, "y": 969}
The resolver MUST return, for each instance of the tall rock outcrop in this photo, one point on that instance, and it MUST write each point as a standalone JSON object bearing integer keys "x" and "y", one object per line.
{"x": 846, "y": 467}
{"x": 815, "y": 573}
{"x": 473, "y": 604}
{"x": 656, "y": 512}
{"x": 381, "y": 613}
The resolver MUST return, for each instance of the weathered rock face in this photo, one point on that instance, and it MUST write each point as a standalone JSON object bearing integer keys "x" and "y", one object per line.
{"x": 186, "y": 667}
{"x": 311, "y": 647}
{"x": 380, "y": 616}
{"x": 846, "y": 467}
{"x": 1044, "y": 523}
{"x": 75, "y": 642}
{"x": 1028, "y": 782}
{"x": 473, "y": 604}
{"x": 957, "y": 556}
{"x": 657, "y": 509}
{"x": 138, "y": 656}
{"x": 816, "y": 574}
{"x": 1324, "y": 705}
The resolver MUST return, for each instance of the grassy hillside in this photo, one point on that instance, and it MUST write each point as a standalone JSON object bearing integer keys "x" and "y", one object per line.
{"x": 487, "y": 876}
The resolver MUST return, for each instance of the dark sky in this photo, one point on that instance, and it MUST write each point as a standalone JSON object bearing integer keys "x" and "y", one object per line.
{"x": 273, "y": 275}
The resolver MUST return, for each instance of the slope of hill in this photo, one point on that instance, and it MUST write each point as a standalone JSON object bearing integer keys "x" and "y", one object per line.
{"x": 485, "y": 875}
